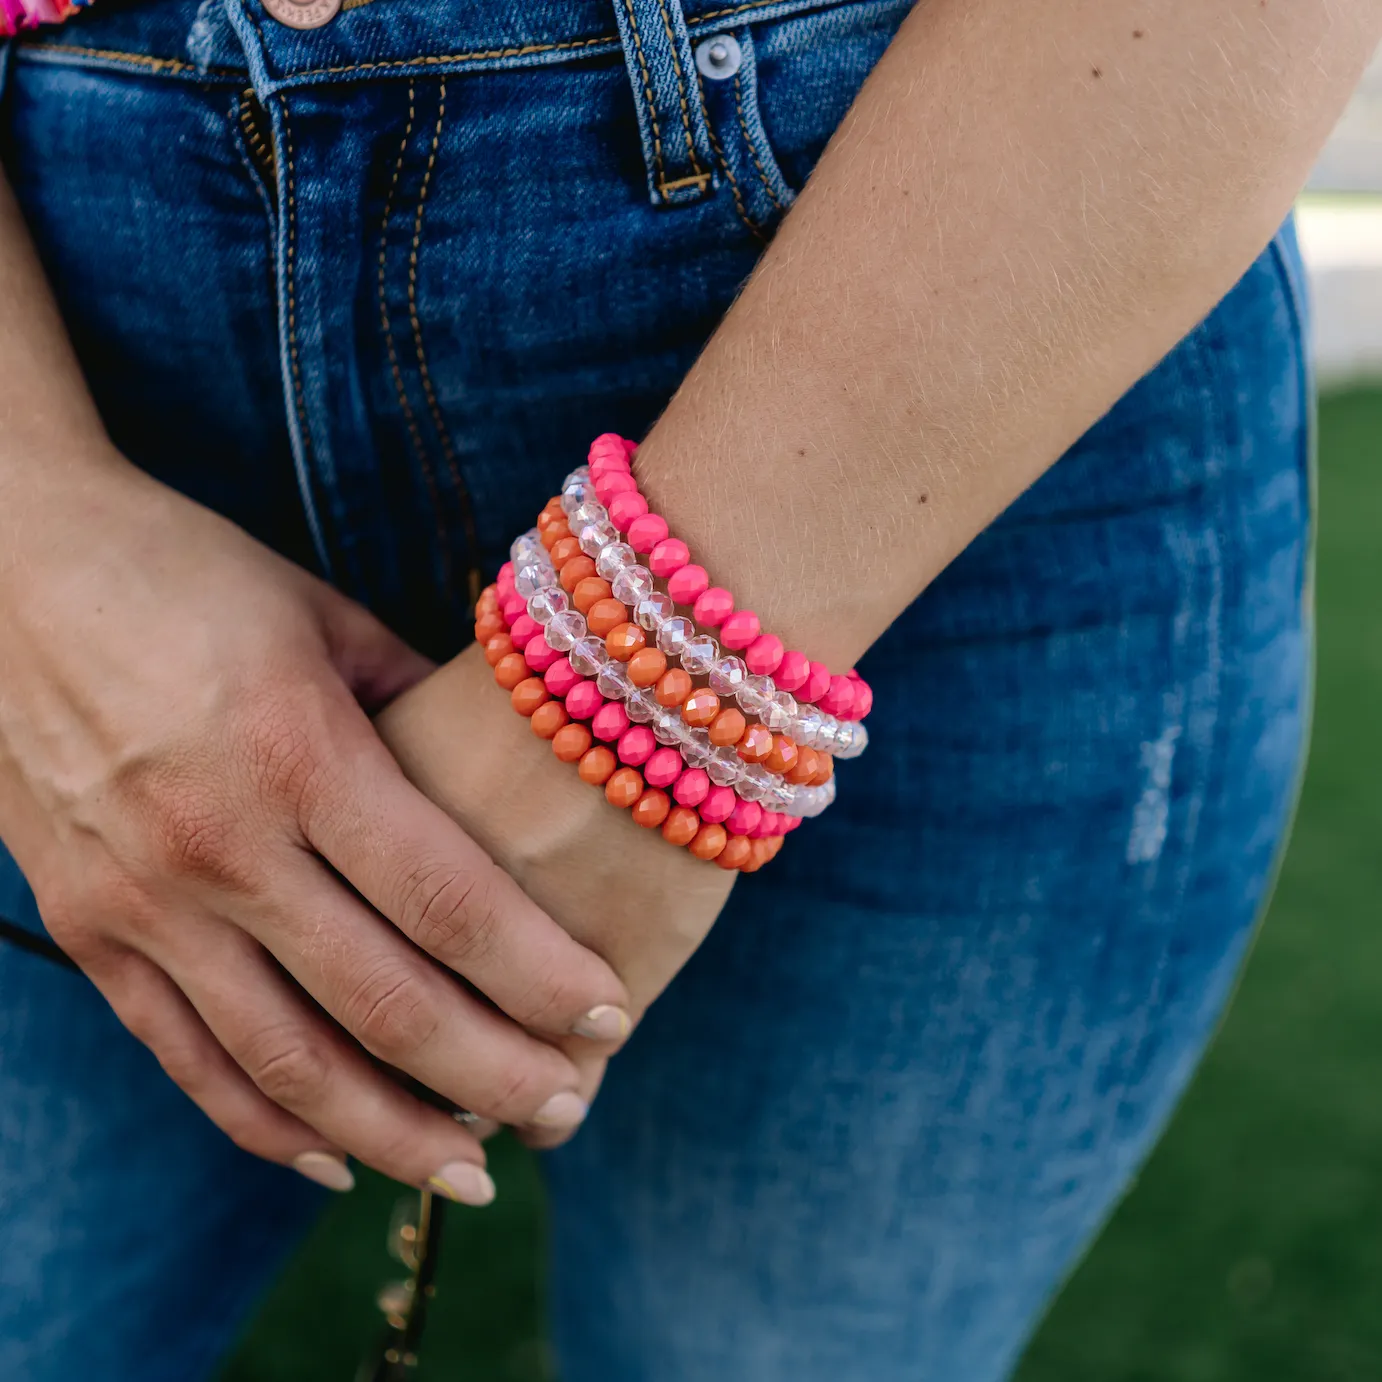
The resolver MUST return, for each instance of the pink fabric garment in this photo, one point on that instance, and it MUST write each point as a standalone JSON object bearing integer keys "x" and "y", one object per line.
{"x": 29, "y": 14}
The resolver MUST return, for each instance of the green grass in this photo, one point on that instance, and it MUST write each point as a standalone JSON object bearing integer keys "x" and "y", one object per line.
{"x": 1250, "y": 1249}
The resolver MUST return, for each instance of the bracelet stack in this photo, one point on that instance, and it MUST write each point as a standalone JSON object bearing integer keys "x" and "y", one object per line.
{"x": 725, "y": 754}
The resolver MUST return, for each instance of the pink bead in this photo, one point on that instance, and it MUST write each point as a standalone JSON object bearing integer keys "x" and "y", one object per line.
{"x": 583, "y": 700}
{"x": 607, "y": 486}
{"x": 839, "y": 697}
{"x": 513, "y": 607}
{"x": 523, "y": 630}
{"x": 863, "y": 699}
{"x": 670, "y": 555}
{"x": 646, "y": 532}
{"x": 606, "y": 444}
{"x": 630, "y": 447}
{"x": 768, "y": 825}
{"x": 692, "y": 787}
{"x": 853, "y": 674}
{"x": 505, "y": 590}
{"x": 626, "y": 507}
{"x": 609, "y": 460}
{"x": 740, "y": 629}
{"x": 764, "y": 654}
{"x": 561, "y": 677}
{"x": 713, "y": 606}
{"x": 539, "y": 656}
{"x": 792, "y": 671}
{"x": 505, "y": 572}
{"x": 609, "y": 722}
{"x": 718, "y": 803}
{"x": 663, "y": 768}
{"x": 817, "y": 683}
{"x": 792, "y": 823}
{"x": 636, "y": 745}
{"x": 744, "y": 817}
{"x": 686, "y": 585}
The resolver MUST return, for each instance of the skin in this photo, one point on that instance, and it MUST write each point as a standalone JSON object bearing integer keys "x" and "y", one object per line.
{"x": 1038, "y": 202}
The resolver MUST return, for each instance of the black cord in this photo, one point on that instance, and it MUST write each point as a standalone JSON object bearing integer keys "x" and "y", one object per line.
{"x": 35, "y": 945}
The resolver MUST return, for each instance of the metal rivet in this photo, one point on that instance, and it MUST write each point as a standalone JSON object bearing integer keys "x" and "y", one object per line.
{"x": 719, "y": 57}
{"x": 303, "y": 14}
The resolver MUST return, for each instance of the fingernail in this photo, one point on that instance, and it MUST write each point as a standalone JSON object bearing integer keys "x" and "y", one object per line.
{"x": 463, "y": 1181}
{"x": 325, "y": 1169}
{"x": 562, "y": 1110}
{"x": 605, "y": 1023}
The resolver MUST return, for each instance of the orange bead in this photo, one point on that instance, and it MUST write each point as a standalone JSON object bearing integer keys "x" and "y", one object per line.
{"x": 488, "y": 601}
{"x": 501, "y": 645}
{"x": 708, "y": 841}
{"x": 554, "y": 532}
{"x": 736, "y": 852}
{"x": 548, "y": 718}
{"x": 673, "y": 687}
{"x": 825, "y": 772}
{"x": 552, "y": 512}
{"x": 570, "y": 742}
{"x": 575, "y": 571}
{"x": 728, "y": 725}
{"x": 589, "y": 593}
{"x": 755, "y": 744}
{"x": 597, "y": 765}
{"x": 528, "y": 695}
{"x": 624, "y": 640}
{"x": 805, "y": 769}
{"x": 783, "y": 758}
{"x": 646, "y": 666}
{"x": 564, "y": 551}
{"x": 487, "y": 625}
{"x": 700, "y": 707}
{"x": 624, "y": 788}
{"x": 759, "y": 854}
{"x": 652, "y": 808}
{"x": 775, "y": 843}
{"x": 604, "y": 616}
{"x": 681, "y": 825}
{"x": 510, "y": 670}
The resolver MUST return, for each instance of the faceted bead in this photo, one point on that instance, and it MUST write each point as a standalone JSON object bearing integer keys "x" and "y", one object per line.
{"x": 521, "y": 552}
{"x": 805, "y": 770}
{"x": 624, "y": 787}
{"x": 781, "y": 714}
{"x": 673, "y": 634}
{"x": 859, "y": 742}
{"x": 546, "y": 603}
{"x": 699, "y": 654}
{"x": 692, "y": 787}
{"x": 548, "y": 718}
{"x": 807, "y": 727}
{"x": 614, "y": 482}
{"x": 651, "y": 809}
{"x": 636, "y": 745}
{"x": 764, "y": 654}
{"x": 745, "y": 817}
{"x": 609, "y": 722}
{"x": 727, "y": 675}
{"x": 641, "y": 706}
{"x": 681, "y": 825}
{"x": 588, "y": 655}
{"x": 528, "y": 695}
{"x": 501, "y": 645}
{"x": 568, "y": 549}
{"x": 755, "y": 695}
{"x": 792, "y": 671}
{"x": 614, "y": 559}
{"x": 606, "y": 615}
{"x": 626, "y": 508}
{"x": 609, "y": 464}
{"x": 560, "y": 677}
{"x": 783, "y": 757}
{"x": 571, "y": 742}
{"x": 824, "y": 772}
{"x": 708, "y": 841}
{"x": 727, "y": 728}
{"x": 725, "y": 767}
{"x": 839, "y": 696}
{"x": 673, "y": 687}
{"x": 646, "y": 532}
{"x": 713, "y": 606}
{"x": 633, "y": 584}
{"x": 755, "y": 744}
{"x": 663, "y": 768}
{"x": 523, "y": 629}
{"x": 583, "y": 700}
{"x": 696, "y": 749}
{"x": 700, "y": 708}
{"x": 554, "y": 532}
{"x": 817, "y": 683}
{"x": 528, "y": 580}
{"x": 487, "y": 625}
{"x": 739, "y": 629}
{"x": 736, "y": 852}
{"x": 844, "y": 738}
{"x": 539, "y": 654}
{"x": 590, "y": 592}
{"x": 488, "y": 603}
{"x": 573, "y": 495}
{"x": 863, "y": 700}
{"x": 653, "y": 609}
{"x": 757, "y": 784}
{"x": 670, "y": 555}
{"x": 613, "y": 681}
{"x": 592, "y": 511}
{"x": 686, "y": 584}
{"x": 595, "y": 537}
{"x": 574, "y": 571}
{"x": 623, "y": 641}
{"x": 668, "y": 727}
{"x": 513, "y": 607}
{"x": 510, "y": 670}
{"x": 565, "y": 630}
{"x": 646, "y": 666}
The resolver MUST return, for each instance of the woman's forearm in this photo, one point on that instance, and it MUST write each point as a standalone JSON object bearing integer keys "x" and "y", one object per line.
{"x": 1025, "y": 209}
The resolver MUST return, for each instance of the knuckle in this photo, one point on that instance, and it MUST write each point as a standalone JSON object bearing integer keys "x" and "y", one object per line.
{"x": 548, "y": 1001}
{"x": 452, "y": 914}
{"x": 513, "y": 1094}
{"x": 197, "y": 836}
{"x": 289, "y": 1069}
{"x": 389, "y": 1013}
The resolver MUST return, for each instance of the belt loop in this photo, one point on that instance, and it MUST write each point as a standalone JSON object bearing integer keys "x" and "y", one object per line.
{"x": 666, "y": 94}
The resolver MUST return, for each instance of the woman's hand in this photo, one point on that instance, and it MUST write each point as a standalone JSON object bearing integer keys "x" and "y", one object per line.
{"x": 213, "y": 829}
{"x": 639, "y": 902}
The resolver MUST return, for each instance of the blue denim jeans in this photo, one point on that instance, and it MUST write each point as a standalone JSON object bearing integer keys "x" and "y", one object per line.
{"x": 369, "y": 289}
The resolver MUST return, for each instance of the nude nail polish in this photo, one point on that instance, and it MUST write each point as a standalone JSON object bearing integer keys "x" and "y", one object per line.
{"x": 604, "y": 1023}
{"x": 564, "y": 1110}
{"x": 464, "y": 1182}
{"x": 326, "y": 1169}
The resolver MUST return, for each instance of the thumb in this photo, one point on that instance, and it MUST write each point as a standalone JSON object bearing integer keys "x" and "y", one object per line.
{"x": 373, "y": 661}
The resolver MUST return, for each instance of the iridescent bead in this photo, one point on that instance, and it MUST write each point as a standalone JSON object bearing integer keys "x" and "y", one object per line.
{"x": 757, "y": 783}
{"x": 807, "y": 727}
{"x": 825, "y": 739}
{"x": 699, "y": 653}
{"x": 547, "y": 602}
{"x": 595, "y": 537}
{"x": 844, "y": 737}
{"x": 591, "y": 511}
{"x": 574, "y": 493}
{"x": 564, "y": 630}
{"x": 858, "y": 742}
{"x": 521, "y": 550}
{"x": 696, "y": 748}
{"x": 528, "y": 580}
{"x": 588, "y": 655}
{"x": 668, "y": 726}
{"x": 652, "y": 609}
{"x": 780, "y": 794}
{"x": 614, "y": 558}
{"x": 633, "y": 584}
{"x": 725, "y": 767}
{"x": 780, "y": 714}
{"x": 642, "y": 706}
{"x": 672, "y": 636}
{"x": 727, "y": 675}
{"x": 613, "y": 681}
{"x": 754, "y": 695}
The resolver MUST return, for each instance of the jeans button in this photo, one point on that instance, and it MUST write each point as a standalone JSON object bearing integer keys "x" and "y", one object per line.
{"x": 719, "y": 57}
{"x": 303, "y": 14}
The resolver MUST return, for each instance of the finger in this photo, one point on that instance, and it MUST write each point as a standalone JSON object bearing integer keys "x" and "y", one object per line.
{"x": 373, "y": 661}
{"x": 156, "y": 1012}
{"x": 424, "y": 873}
{"x": 297, "y": 1060}
{"x": 404, "y": 1009}
{"x": 544, "y": 1139}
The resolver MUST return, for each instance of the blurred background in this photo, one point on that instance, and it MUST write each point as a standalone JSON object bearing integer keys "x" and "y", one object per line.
{"x": 1250, "y": 1249}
